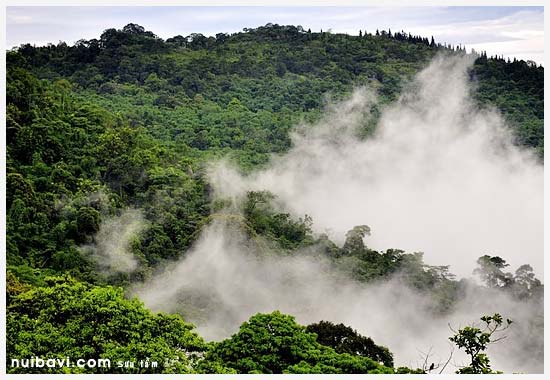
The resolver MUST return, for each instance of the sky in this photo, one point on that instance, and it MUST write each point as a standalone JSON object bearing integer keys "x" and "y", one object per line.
{"x": 507, "y": 31}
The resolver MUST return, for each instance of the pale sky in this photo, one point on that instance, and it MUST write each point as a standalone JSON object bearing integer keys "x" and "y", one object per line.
{"x": 509, "y": 31}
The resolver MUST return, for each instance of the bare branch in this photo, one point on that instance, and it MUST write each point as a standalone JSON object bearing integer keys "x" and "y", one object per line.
{"x": 448, "y": 360}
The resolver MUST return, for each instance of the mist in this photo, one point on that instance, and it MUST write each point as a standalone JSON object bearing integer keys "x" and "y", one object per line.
{"x": 226, "y": 278}
{"x": 438, "y": 175}
{"x": 111, "y": 247}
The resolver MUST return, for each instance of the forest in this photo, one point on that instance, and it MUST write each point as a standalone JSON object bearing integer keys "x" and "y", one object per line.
{"x": 110, "y": 182}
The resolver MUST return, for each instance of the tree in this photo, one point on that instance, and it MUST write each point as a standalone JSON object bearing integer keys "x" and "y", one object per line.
{"x": 121, "y": 111}
{"x": 345, "y": 339}
{"x": 275, "y": 343}
{"x": 280, "y": 227}
{"x": 75, "y": 319}
{"x": 87, "y": 221}
{"x": 522, "y": 285}
{"x": 354, "y": 238}
{"x": 526, "y": 285}
{"x": 475, "y": 340}
{"x": 490, "y": 271}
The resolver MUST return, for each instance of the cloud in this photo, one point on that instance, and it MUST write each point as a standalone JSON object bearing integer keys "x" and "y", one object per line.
{"x": 439, "y": 175}
{"x": 506, "y": 35}
{"x": 464, "y": 25}
{"x": 111, "y": 248}
{"x": 226, "y": 278}
{"x": 16, "y": 19}
{"x": 527, "y": 49}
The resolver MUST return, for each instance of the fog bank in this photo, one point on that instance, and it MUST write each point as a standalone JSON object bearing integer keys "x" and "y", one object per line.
{"x": 224, "y": 279}
{"x": 439, "y": 175}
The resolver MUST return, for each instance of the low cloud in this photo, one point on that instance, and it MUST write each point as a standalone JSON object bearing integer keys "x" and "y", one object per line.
{"x": 226, "y": 277}
{"x": 439, "y": 175}
{"x": 111, "y": 247}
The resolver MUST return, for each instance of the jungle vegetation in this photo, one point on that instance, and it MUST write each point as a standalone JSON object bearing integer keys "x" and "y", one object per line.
{"x": 130, "y": 120}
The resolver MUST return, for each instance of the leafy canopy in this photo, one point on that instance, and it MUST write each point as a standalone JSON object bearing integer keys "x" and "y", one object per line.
{"x": 70, "y": 318}
{"x": 275, "y": 343}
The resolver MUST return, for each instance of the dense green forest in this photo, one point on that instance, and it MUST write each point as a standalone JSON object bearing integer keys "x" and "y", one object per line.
{"x": 129, "y": 122}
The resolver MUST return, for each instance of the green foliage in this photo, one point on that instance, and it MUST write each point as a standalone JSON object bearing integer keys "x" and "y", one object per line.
{"x": 523, "y": 284}
{"x": 74, "y": 319}
{"x": 345, "y": 339}
{"x": 475, "y": 340}
{"x": 273, "y": 72}
{"x": 264, "y": 220}
{"x": 407, "y": 370}
{"x": 140, "y": 116}
{"x": 514, "y": 88}
{"x": 129, "y": 120}
{"x": 490, "y": 271}
{"x": 72, "y": 163}
{"x": 368, "y": 265}
{"x": 354, "y": 239}
{"x": 14, "y": 286}
{"x": 275, "y": 343}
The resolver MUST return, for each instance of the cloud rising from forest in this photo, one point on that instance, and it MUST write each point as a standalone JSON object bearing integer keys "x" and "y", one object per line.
{"x": 111, "y": 246}
{"x": 226, "y": 278}
{"x": 438, "y": 176}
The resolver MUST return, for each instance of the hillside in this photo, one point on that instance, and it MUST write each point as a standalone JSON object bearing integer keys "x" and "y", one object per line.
{"x": 109, "y": 147}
